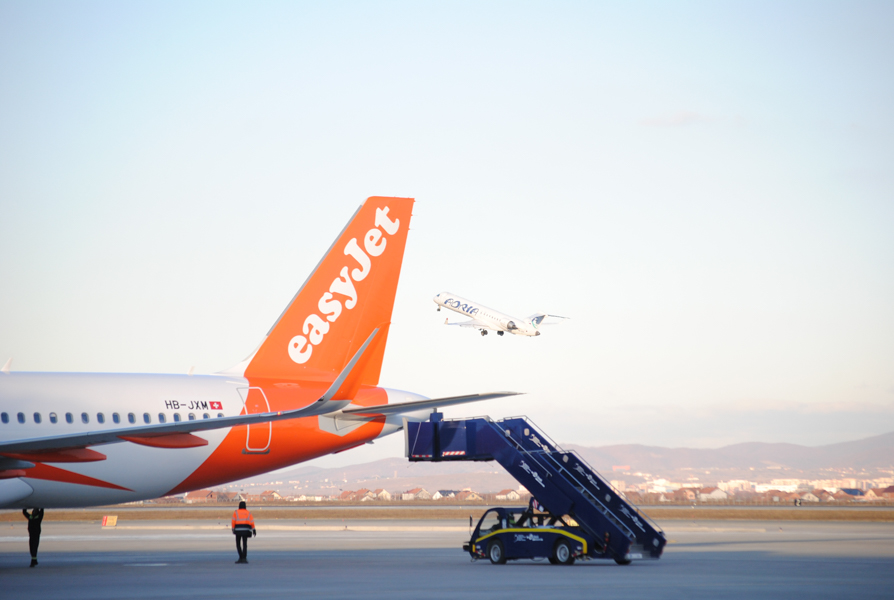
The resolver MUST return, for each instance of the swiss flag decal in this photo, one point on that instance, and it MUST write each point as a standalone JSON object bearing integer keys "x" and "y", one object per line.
{"x": 216, "y": 406}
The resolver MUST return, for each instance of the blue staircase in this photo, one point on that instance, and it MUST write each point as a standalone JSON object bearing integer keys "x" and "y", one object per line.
{"x": 562, "y": 482}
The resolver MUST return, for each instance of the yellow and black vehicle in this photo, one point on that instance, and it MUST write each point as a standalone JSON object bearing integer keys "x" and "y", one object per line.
{"x": 514, "y": 533}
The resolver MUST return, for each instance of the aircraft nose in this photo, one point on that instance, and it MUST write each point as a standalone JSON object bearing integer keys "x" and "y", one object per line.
{"x": 536, "y": 333}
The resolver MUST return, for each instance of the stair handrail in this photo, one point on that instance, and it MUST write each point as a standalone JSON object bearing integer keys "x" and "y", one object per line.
{"x": 606, "y": 511}
{"x": 589, "y": 466}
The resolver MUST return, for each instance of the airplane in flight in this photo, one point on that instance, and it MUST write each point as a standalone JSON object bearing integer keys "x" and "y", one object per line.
{"x": 310, "y": 389}
{"x": 484, "y": 318}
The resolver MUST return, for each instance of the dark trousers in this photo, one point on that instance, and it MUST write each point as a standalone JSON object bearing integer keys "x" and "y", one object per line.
{"x": 34, "y": 542}
{"x": 242, "y": 544}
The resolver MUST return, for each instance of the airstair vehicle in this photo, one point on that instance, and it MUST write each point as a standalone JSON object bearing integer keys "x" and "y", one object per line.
{"x": 562, "y": 482}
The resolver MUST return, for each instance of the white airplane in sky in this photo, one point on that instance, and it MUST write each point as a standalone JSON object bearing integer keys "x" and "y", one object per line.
{"x": 484, "y": 318}
{"x": 310, "y": 389}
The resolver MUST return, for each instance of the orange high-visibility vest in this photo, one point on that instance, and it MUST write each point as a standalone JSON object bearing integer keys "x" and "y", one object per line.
{"x": 242, "y": 520}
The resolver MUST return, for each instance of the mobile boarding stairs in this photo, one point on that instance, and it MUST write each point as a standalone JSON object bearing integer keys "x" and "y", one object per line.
{"x": 562, "y": 482}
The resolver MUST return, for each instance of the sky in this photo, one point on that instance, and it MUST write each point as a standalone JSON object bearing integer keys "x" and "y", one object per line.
{"x": 705, "y": 188}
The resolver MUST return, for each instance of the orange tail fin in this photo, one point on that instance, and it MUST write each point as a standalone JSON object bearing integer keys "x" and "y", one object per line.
{"x": 348, "y": 296}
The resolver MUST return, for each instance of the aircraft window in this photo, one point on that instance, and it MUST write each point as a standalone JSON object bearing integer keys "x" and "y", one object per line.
{"x": 206, "y": 416}
{"x": 100, "y": 418}
{"x": 4, "y": 417}
{"x": 191, "y": 417}
{"x": 53, "y": 418}
{"x": 176, "y": 417}
{"x": 21, "y": 417}
{"x": 37, "y": 417}
{"x": 161, "y": 417}
{"x": 85, "y": 418}
{"x": 147, "y": 418}
{"x": 131, "y": 418}
{"x": 116, "y": 418}
{"x": 219, "y": 415}
{"x": 69, "y": 418}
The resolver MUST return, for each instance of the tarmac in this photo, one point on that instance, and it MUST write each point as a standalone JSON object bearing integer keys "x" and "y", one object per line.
{"x": 423, "y": 559}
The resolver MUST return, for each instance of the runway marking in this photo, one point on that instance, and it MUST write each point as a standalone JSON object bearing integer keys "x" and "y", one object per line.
{"x": 146, "y": 565}
{"x": 263, "y": 527}
{"x": 714, "y": 529}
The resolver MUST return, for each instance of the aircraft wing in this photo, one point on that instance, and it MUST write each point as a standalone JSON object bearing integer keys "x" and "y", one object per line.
{"x": 405, "y": 407}
{"x": 472, "y": 323}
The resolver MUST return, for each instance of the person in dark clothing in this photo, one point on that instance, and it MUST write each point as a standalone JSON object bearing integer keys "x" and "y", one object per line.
{"x": 243, "y": 526}
{"x": 34, "y": 520}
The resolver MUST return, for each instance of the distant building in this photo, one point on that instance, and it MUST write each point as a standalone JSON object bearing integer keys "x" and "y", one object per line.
{"x": 508, "y": 495}
{"x": 781, "y": 497}
{"x": 710, "y": 494}
{"x": 200, "y": 496}
{"x": 381, "y": 494}
{"x": 734, "y": 486}
{"x": 879, "y": 494}
{"x": 849, "y": 494}
{"x": 416, "y": 494}
{"x": 364, "y": 495}
{"x": 468, "y": 496}
{"x": 306, "y": 498}
{"x": 685, "y": 495}
{"x": 824, "y": 496}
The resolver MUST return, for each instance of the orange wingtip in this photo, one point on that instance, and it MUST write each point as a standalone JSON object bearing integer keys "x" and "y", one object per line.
{"x": 349, "y": 294}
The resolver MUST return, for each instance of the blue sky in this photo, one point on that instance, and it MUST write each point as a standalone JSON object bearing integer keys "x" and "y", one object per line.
{"x": 705, "y": 188}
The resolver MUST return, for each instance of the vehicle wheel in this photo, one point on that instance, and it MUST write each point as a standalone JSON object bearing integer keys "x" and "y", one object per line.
{"x": 562, "y": 553}
{"x": 495, "y": 552}
{"x": 552, "y": 560}
{"x": 623, "y": 561}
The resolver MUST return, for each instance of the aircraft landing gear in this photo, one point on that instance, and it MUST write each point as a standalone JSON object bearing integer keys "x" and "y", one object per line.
{"x": 439, "y": 309}
{"x": 484, "y": 332}
{"x": 499, "y": 333}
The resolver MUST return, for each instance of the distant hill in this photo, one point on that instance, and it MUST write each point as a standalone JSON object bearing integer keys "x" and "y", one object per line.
{"x": 869, "y": 454}
{"x": 755, "y": 461}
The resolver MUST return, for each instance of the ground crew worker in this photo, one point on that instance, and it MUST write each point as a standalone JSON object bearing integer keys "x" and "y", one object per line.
{"x": 34, "y": 520}
{"x": 243, "y": 526}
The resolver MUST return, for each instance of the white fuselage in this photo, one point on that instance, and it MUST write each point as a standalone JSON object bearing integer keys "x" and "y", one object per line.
{"x": 37, "y": 405}
{"x": 484, "y": 317}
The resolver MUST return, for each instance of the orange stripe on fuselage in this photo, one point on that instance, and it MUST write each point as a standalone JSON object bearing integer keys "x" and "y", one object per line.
{"x": 49, "y": 473}
{"x": 292, "y": 441}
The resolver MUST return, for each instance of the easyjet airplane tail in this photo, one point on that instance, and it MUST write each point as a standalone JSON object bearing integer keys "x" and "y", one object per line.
{"x": 348, "y": 296}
